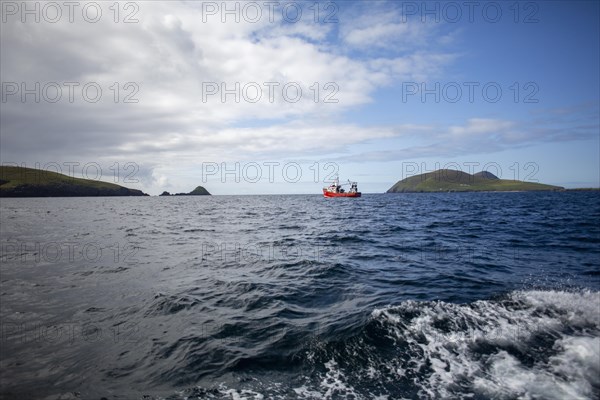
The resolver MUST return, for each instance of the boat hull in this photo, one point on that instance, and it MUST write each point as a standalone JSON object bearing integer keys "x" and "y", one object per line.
{"x": 332, "y": 194}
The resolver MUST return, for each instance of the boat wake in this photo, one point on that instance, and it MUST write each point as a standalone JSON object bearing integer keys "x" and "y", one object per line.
{"x": 527, "y": 345}
{"x": 537, "y": 344}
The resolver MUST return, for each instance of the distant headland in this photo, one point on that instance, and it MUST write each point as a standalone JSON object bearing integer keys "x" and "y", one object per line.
{"x": 30, "y": 182}
{"x": 448, "y": 180}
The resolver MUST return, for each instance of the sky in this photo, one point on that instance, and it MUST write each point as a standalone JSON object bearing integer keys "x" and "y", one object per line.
{"x": 271, "y": 97}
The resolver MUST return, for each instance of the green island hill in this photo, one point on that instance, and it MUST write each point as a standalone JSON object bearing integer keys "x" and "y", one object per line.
{"x": 30, "y": 182}
{"x": 199, "y": 191}
{"x": 448, "y": 180}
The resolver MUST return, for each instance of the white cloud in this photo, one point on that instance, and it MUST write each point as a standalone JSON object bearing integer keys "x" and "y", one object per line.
{"x": 381, "y": 26}
{"x": 386, "y": 35}
{"x": 480, "y": 126}
{"x": 168, "y": 55}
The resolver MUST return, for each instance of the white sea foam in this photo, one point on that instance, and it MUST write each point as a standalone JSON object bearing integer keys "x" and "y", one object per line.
{"x": 242, "y": 394}
{"x": 468, "y": 345}
{"x": 529, "y": 345}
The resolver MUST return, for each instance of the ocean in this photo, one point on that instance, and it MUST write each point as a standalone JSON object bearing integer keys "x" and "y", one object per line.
{"x": 389, "y": 296}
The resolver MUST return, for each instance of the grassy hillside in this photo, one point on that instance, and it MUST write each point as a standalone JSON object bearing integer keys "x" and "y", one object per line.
{"x": 29, "y": 182}
{"x": 446, "y": 180}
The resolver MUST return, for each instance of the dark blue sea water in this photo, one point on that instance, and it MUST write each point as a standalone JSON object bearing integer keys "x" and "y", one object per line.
{"x": 474, "y": 296}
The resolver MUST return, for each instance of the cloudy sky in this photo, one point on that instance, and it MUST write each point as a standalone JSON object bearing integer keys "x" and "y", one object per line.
{"x": 277, "y": 97}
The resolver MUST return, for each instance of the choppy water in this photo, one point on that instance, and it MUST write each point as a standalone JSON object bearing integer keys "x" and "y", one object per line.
{"x": 492, "y": 295}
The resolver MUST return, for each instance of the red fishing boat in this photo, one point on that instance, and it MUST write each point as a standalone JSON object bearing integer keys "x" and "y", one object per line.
{"x": 336, "y": 190}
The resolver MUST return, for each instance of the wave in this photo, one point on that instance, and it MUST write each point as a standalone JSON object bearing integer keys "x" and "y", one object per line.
{"x": 525, "y": 345}
{"x": 534, "y": 344}
{"x": 537, "y": 344}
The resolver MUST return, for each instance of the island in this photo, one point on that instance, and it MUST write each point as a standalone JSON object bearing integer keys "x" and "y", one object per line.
{"x": 199, "y": 191}
{"x": 448, "y": 180}
{"x": 31, "y": 182}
